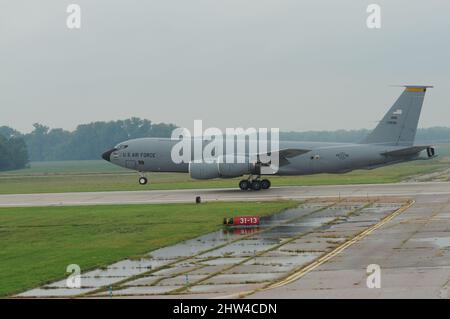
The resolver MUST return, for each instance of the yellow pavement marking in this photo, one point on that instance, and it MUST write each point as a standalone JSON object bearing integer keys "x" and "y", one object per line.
{"x": 339, "y": 249}
{"x": 303, "y": 271}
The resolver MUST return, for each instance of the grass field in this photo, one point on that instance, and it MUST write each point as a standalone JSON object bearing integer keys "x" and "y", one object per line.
{"x": 37, "y": 243}
{"x": 84, "y": 176}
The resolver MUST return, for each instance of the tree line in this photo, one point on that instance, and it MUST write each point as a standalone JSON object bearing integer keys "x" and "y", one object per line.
{"x": 424, "y": 135}
{"x": 88, "y": 141}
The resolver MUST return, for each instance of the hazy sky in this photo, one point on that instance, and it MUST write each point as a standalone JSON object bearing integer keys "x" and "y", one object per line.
{"x": 296, "y": 65}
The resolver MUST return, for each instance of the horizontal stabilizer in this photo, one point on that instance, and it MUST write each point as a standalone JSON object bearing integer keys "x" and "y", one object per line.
{"x": 292, "y": 152}
{"x": 406, "y": 151}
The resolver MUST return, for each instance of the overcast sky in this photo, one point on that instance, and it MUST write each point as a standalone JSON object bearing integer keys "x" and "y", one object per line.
{"x": 295, "y": 65}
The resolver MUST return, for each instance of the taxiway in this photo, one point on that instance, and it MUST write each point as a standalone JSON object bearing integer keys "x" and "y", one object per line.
{"x": 188, "y": 195}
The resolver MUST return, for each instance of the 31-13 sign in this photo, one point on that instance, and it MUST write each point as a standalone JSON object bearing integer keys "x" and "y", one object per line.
{"x": 242, "y": 220}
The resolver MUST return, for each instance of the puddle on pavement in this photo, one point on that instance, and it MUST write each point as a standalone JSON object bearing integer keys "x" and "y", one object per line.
{"x": 441, "y": 242}
{"x": 224, "y": 261}
{"x": 146, "y": 281}
{"x": 181, "y": 280}
{"x": 242, "y": 278}
{"x": 284, "y": 261}
{"x": 314, "y": 222}
{"x": 224, "y": 288}
{"x": 58, "y": 292}
{"x": 135, "y": 291}
{"x": 444, "y": 215}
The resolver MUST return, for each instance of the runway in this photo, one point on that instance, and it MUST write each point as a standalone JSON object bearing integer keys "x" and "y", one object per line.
{"x": 186, "y": 196}
{"x": 320, "y": 249}
{"x": 412, "y": 252}
{"x": 233, "y": 260}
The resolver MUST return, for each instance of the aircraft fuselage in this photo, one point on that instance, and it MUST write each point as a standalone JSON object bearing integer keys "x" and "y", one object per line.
{"x": 154, "y": 155}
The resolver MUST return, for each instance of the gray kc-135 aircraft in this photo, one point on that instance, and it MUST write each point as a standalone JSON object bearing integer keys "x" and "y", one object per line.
{"x": 391, "y": 142}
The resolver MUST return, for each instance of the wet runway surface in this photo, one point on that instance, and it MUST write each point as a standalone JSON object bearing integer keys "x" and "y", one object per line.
{"x": 412, "y": 251}
{"x": 319, "y": 250}
{"x": 232, "y": 260}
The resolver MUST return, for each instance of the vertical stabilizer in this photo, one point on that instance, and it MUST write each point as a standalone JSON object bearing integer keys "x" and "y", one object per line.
{"x": 399, "y": 125}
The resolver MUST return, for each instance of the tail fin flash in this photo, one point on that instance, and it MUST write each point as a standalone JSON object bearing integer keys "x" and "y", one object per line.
{"x": 399, "y": 125}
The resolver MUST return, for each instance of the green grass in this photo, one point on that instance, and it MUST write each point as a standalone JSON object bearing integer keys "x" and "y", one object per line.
{"x": 73, "y": 182}
{"x": 83, "y": 176}
{"x": 37, "y": 243}
{"x": 67, "y": 168}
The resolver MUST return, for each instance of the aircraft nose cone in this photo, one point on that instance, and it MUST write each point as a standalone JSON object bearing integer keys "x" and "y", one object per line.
{"x": 107, "y": 155}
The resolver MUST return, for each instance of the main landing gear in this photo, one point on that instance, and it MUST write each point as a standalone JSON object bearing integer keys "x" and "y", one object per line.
{"x": 142, "y": 179}
{"x": 254, "y": 184}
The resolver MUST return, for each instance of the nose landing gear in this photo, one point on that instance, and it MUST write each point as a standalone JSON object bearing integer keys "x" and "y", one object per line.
{"x": 142, "y": 179}
{"x": 254, "y": 184}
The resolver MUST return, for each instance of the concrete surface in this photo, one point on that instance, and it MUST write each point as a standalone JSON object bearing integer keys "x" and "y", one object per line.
{"x": 412, "y": 248}
{"x": 179, "y": 196}
{"x": 413, "y": 263}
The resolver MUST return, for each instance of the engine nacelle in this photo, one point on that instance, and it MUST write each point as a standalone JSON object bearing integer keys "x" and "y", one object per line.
{"x": 202, "y": 170}
{"x": 234, "y": 169}
{"x": 431, "y": 151}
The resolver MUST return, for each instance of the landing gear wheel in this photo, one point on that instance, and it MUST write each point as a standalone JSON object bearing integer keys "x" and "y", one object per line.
{"x": 265, "y": 184}
{"x": 244, "y": 185}
{"x": 142, "y": 180}
{"x": 256, "y": 185}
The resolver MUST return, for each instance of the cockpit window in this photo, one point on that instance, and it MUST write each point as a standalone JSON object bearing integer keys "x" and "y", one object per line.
{"x": 122, "y": 146}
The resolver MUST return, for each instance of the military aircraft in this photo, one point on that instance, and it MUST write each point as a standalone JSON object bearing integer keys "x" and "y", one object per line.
{"x": 391, "y": 142}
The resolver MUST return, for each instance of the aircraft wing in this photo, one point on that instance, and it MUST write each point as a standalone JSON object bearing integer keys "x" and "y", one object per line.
{"x": 406, "y": 151}
{"x": 286, "y": 153}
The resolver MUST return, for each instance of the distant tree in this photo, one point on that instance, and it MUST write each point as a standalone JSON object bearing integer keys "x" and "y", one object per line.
{"x": 9, "y": 132}
{"x": 433, "y": 134}
{"x": 5, "y": 160}
{"x": 426, "y": 135}
{"x": 88, "y": 141}
{"x": 43, "y": 142}
{"x": 350, "y": 136}
{"x": 13, "y": 153}
{"x": 18, "y": 152}
{"x": 136, "y": 127}
{"x": 162, "y": 130}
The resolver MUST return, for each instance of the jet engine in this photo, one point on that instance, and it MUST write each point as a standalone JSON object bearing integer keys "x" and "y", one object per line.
{"x": 202, "y": 170}
{"x": 431, "y": 151}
